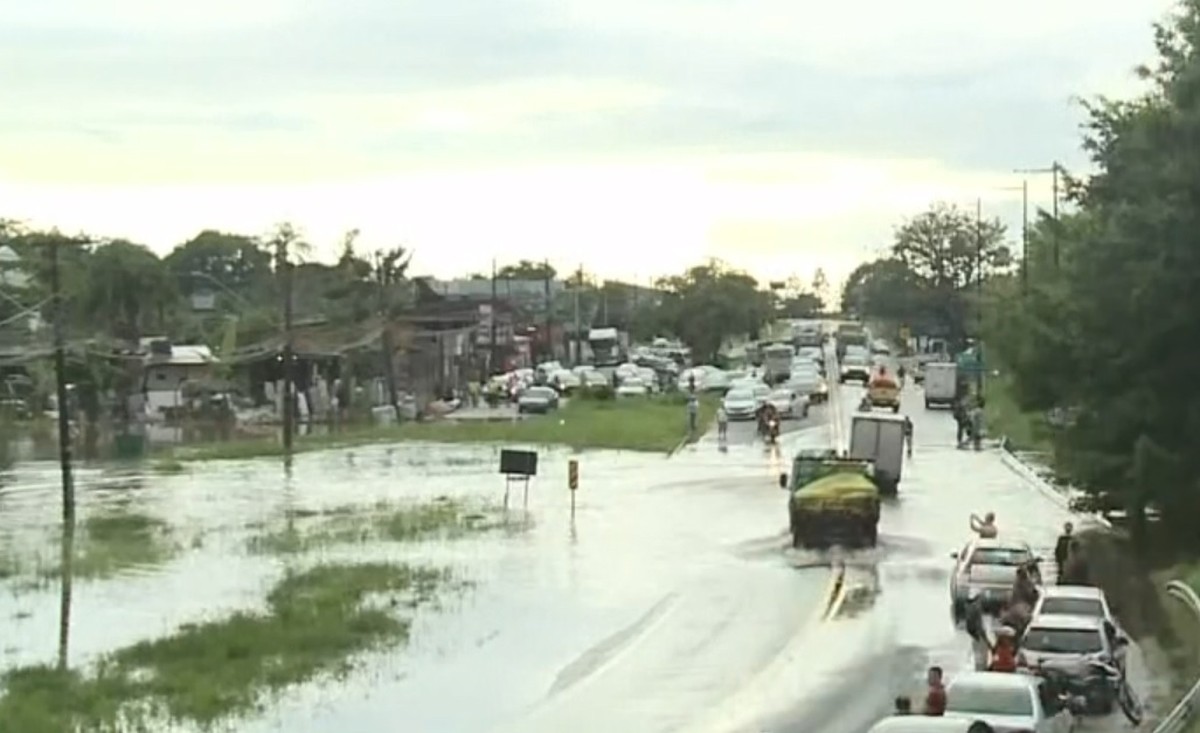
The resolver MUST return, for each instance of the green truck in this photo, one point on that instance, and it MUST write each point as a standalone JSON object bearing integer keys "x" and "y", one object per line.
{"x": 832, "y": 500}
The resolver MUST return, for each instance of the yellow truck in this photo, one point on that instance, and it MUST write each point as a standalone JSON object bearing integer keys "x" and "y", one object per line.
{"x": 831, "y": 500}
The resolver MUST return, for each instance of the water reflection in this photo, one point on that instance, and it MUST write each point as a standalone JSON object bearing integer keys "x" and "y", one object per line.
{"x": 67, "y": 563}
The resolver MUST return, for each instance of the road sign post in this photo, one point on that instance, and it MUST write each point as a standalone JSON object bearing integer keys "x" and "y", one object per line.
{"x": 573, "y": 481}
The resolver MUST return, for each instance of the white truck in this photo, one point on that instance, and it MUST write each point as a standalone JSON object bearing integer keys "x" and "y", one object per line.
{"x": 777, "y": 362}
{"x": 879, "y": 438}
{"x": 609, "y": 346}
{"x": 941, "y": 383}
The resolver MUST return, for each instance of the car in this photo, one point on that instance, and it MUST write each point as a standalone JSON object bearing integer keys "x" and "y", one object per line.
{"x": 632, "y": 387}
{"x": 593, "y": 377}
{"x": 566, "y": 382}
{"x": 537, "y": 400}
{"x": 989, "y": 567}
{"x": 808, "y": 383}
{"x": 854, "y": 366}
{"x": 740, "y": 403}
{"x": 1073, "y": 600}
{"x": 788, "y": 403}
{"x": 920, "y": 724}
{"x": 649, "y": 378}
{"x": 1070, "y": 641}
{"x": 1009, "y": 703}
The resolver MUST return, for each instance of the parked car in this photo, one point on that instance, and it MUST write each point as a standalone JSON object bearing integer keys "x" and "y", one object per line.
{"x": 633, "y": 387}
{"x": 789, "y": 404}
{"x": 1070, "y": 641}
{"x": 1074, "y": 600}
{"x": 921, "y": 724}
{"x": 649, "y": 378}
{"x": 1009, "y": 703}
{"x": 989, "y": 567}
{"x": 537, "y": 400}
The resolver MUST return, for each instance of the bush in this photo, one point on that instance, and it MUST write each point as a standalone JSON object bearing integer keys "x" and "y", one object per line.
{"x": 599, "y": 393}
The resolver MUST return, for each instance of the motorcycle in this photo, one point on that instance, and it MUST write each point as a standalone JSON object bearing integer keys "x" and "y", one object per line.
{"x": 772, "y": 430}
{"x": 1095, "y": 686}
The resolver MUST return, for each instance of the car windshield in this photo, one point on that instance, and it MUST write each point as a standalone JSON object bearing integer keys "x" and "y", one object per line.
{"x": 1073, "y": 607}
{"x": 740, "y": 395}
{"x": 541, "y": 392}
{"x": 988, "y": 700}
{"x": 1063, "y": 641}
{"x": 781, "y": 395}
{"x": 1000, "y": 556}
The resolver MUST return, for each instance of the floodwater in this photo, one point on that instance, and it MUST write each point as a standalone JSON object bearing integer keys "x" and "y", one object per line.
{"x": 667, "y": 601}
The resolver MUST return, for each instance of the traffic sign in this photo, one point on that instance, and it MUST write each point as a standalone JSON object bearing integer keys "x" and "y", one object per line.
{"x": 573, "y": 474}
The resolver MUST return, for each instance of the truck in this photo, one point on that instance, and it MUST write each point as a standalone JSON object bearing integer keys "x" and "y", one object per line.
{"x": 940, "y": 383}
{"x": 610, "y": 347}
{"x": 831, "y": 500}
{"x": 879, "y": 438}
{"x": 777, "y": 363}
{"x": 807, "y": 334}
{"x": 851, "y": 334}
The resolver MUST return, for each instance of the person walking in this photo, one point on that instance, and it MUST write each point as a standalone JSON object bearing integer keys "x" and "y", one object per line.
{"x": 1062, "y": 549}
{"x": 722, "y": 424}
{"x": 976, "y": 417}
{"x": 960, "y": 420}
{"x": 1075, "y": 570}
{"x": 693, "y": 410}
{"x": 908, "y": 434}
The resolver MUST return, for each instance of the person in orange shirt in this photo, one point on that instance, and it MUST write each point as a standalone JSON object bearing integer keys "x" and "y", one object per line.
{"x": 1004, "y": 651}
{"x": 935, "y": 698}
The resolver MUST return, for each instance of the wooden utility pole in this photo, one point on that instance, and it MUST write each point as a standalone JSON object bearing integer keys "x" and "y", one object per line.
{"x": 979, "y": 296}
{"x": 493, "y": 367}
{"x": 383, "y": 276}
{"x": 578, "y": 325}
{"x": 1025, "y": 236}
{"x": 60, "y": 378}
{"x": 284, "y": 267}
{"x": 549, "y": 338}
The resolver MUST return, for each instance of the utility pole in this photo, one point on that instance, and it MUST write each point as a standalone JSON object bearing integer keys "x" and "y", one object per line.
{"x": 383, "y": 277}
{"x": 546, "y": 282}
{"x": 492, "y": 359}
{"x": 578, "y": 325}
{"x": 1025, "y": 236}
{"x": 979, "y": 296}
{"x": 60, "y": 378}
{"x": 284, "y": 267}
{"x": 1053, "y": 170}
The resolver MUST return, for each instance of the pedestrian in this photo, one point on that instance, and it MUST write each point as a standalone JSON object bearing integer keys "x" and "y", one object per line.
{"x": 935, "y": 697}
{"x": 693, "y": 408}
{"x": 985, "y": 527}
{"x": 1062, "y": 548}
{"x": 903, "y": 705}
{"x": 908, "y": 434}
{"x": 1075, "y": 570}
{"x": 976, "y": 416}
{"x": 981, "y": 649}
{"x": 960, "y": 420}
{"x": 722, "y": 423}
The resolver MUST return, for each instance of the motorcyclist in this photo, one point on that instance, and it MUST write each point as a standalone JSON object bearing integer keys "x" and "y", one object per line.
{"x": 986, "y": 527}
{"x": 973, "y": 620}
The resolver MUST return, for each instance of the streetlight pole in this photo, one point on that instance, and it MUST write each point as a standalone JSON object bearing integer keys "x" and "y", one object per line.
{"x": 979, "y": 296}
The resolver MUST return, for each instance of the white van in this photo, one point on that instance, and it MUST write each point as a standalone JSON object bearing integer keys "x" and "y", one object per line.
{"x": 941, "y": 383}
{"x": 879, "y": 438}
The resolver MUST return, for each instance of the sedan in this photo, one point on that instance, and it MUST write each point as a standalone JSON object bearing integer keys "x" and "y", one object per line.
{"x": 1070, "y": 641}
{"x": 1009, "y": 703}
{"x": 740, "y": 404}
{"x": 537, "y": 400}
{"x": 565, "y": 382}
{"x": 988, "y": 567}
{"x": 633, "y": 387}
{"x": 921, "y": 724}
{"x": 789, "y": 404}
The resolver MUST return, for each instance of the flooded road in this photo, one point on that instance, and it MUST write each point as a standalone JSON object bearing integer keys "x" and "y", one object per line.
{"x": 668, "y": 601}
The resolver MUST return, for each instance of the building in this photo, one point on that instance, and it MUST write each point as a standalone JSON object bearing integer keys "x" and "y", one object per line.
{"x": 169, "y": 368}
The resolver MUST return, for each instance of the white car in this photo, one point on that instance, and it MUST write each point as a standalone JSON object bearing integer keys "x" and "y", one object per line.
{"x": 1071, "y": 641}
{"x": 537, "y": 400}
{"x": 789, "y": 404}
{"x": 1009, "y": 703}
{"x": 921, "y": 724}
{"x": 593, "y": 377}
{"x": 740, "y": 404}
{"x": 649, "y": 377}
{"x": 566, "y": 382}
{"x": 1073, "y": 600}
{"x": 989, "y": 568}
{"x": 633, "y": 387}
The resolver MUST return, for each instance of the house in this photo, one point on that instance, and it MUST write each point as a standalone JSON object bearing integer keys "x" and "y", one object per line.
{"x": 169, "y": 367}
{"x": 12, "y": 270}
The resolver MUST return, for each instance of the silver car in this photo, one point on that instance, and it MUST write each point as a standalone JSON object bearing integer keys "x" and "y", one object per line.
{"x": 1071, "y": 641}
{"x": 1009, "y": 703}
{"x": 1074, "y": 600}
{"x": 789, "y": 404}
{"x": 537, "y": 400}
{"x": 988, "y": 568}
{"x": 740, "y": 404}
{"x": 920, "y": 724}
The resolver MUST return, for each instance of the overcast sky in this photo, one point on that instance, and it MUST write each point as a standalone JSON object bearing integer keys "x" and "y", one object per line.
{"x": 632, "y": 136}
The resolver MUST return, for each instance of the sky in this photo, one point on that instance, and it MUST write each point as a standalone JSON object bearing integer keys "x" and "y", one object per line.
{"x": 631, "y": 137}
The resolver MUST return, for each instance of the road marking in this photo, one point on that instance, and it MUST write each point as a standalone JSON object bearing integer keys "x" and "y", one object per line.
{"x": 835, "y": 594}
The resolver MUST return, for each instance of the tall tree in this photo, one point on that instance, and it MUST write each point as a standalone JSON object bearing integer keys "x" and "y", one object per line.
{"x": 527, "y": 270}
{"x": 711, "y": 302}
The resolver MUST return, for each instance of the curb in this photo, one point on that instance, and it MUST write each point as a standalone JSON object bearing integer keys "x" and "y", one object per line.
{"x": 1031, "y": 477}
{"x": 836, "y": 594}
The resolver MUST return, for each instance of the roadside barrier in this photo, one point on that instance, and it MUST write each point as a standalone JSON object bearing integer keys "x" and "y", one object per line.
{"x": 1181, "y": 716}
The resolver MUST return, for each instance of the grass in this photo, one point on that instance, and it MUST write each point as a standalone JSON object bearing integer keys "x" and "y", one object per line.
{"x": 384, "y": 522}
{"x": 1003, "y": 417}
{"x": 105, "y": 544}
{"x": 315, "y": 622}
{"x": 657, "y": 424}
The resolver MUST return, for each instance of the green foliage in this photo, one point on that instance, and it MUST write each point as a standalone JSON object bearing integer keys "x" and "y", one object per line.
{"x": 1108, "y": 331}
{"x": 710, "y": 303}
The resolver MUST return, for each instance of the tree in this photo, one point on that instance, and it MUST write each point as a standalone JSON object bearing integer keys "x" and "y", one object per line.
{"x": 527, "y": 270}
{"x": 217, "y": 259}
{"x": 820, "y": 288}
{"x": 709, "y": 303}
{"x": 128, "y": 288}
